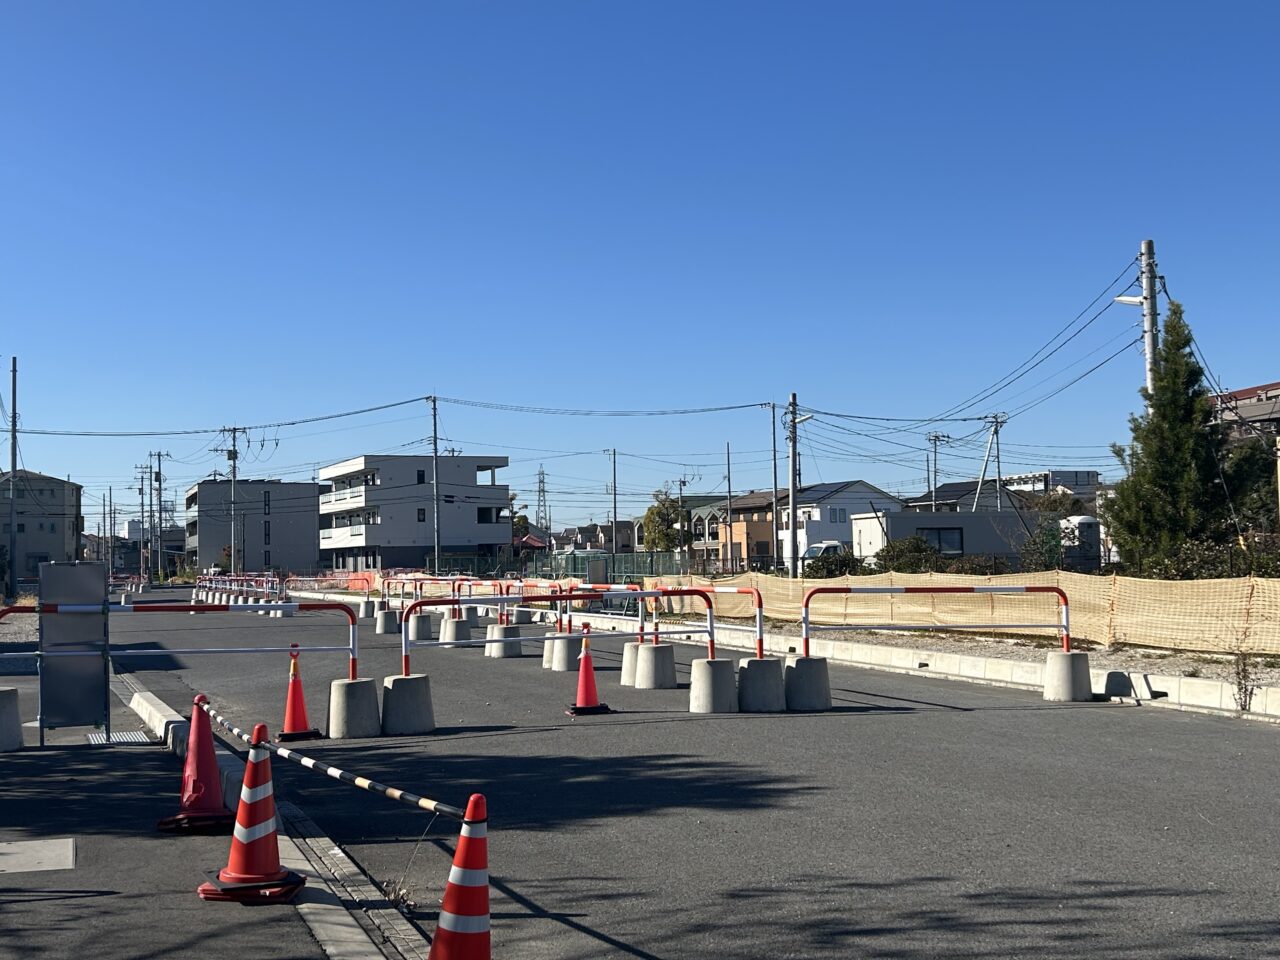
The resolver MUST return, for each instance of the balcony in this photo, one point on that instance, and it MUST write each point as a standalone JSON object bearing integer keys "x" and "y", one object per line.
{"x": 355, "y": 535}
{"x": 338, "y": 500}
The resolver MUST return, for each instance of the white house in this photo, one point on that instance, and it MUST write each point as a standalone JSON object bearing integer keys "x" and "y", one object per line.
{"x": 824, "y": 511}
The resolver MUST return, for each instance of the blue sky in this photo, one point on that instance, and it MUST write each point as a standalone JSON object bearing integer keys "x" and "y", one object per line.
{"x": 248, "y": 214}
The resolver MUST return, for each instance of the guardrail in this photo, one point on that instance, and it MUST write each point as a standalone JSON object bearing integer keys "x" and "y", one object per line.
{"x": 1063, "y": 626}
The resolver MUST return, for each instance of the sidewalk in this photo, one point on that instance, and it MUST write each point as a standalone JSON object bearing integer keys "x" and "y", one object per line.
{"x": 131, "y": 890}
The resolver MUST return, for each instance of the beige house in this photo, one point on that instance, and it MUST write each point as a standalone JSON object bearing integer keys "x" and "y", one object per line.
{"x": 48, "y": 519}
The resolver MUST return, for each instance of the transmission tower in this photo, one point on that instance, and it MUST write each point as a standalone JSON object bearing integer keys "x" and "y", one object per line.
{"x": 542, "y": 515}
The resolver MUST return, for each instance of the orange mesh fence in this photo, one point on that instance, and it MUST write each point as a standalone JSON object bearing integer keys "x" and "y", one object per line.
{"x": 1220, "y": 616}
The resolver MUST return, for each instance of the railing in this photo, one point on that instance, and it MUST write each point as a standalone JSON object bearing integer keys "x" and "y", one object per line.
{"x": 1063, "y": 626}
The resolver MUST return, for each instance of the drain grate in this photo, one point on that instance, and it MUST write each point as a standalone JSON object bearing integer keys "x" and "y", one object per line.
{"x": 127, "y": 736}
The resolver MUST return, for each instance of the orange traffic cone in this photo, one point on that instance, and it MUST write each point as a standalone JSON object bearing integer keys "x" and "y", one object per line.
{"x": 200, "y": 808}
{"x": 588, "y": 700}
{"x": 462, "y": 931}
{"x": 253, "y": 873}
{"x": 296, "y": 726}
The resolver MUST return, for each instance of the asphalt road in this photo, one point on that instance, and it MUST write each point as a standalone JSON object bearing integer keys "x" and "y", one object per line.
{"x": 919, "y": 818}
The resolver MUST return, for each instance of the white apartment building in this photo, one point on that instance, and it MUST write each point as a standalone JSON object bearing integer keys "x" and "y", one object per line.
{"x": 379, "y": 514}
{"x": 277, "y": 525}
{"x": 48, "y": 519}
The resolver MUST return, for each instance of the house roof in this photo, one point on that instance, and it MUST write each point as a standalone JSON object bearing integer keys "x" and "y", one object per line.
{"x": 1248, "y": 393}
{"x": 959, "y": 490}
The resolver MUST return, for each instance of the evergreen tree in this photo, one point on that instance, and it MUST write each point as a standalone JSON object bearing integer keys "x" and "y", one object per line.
{"x": 664, "y": 527}
{"x": 1172, "y": 492}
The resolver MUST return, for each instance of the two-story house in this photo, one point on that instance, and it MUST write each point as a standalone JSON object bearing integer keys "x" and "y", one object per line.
{"x": 48, "y": 520}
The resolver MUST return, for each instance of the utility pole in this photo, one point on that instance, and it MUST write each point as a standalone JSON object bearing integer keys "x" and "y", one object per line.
{"x": 613, "y": 528}
{"x": 142, "y": 515}
{"x": 683, "y": 526}
{"x": 996, "y": 420}
{"x": 793, "y": 484}
{"x": 159, "y": 477}
{"x": 435, "y": 483}
{"x": 111, "y": 531}
{"x": 13, "y": 489}
{"x": 728, "y": 507}
{"x": 935, "y": 439}
{"x": 233, "y": 457}
{"x": 151, "y": 515}
{"x": 1150, "y": 316}
{"x": 773, "y": 545}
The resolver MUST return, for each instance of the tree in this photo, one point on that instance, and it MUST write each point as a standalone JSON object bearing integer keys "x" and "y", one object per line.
{"x": 664, "y": 527}
{"x": 908, "y": 555}
{"x": 832, "y": 565}
{"x": 1251, "y": 482}
{"x": 1171, "y": 492}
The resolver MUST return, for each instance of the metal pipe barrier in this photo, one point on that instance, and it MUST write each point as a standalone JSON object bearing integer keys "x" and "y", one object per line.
{"x": 759, "y": 614}
{"x": 352, "y": 646}
{"x": 391, "y": 793}
{"x": 569, "y": 596}
{"x": 1063, "y": 626}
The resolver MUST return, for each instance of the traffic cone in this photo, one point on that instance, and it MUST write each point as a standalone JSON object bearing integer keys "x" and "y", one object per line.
{"x": 462, "y": 930}
{"x": 200, "y": 808}
{"x": 253, "y": 873}
{"x": 295, "y": 706}
{"x": 588, "y": 700}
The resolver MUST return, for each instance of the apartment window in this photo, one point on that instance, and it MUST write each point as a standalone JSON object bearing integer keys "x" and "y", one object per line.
{"x": 266, "y": 503}
{"x": 422, "y": 512}
{"x": 53, "y": 527}
{"x": 40, "y": 525}
{"x": 844, "y": 515}
{"x": 266, "y": 559}
{"x": 266, "y": 532}
{"x": 422, "y": 476}
{"x": 22, "y": 528}
{"x": 946, "y": 540}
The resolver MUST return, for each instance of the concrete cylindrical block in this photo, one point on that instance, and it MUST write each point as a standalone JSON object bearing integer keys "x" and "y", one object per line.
{"x": 387, "y": 621}
{"x": 365, "y": 611}
{"x": 564, "y": 654}
{"x": 419, "y": 628}
{"x": 454, "y": 631}
{"x": 1066, "y": 677}
{"x": 548, "y": 650}
{"x": 353, "y": 710}
{"x": 712, "y": 688}
{"x": 379, "y": 606}
{"x": 656, "y": 667}
{"x": 126, "y": 598}
{"x": 472, "y": 616}
{"x": 520, "y": 615}
{"x": 406, "y": 706}
{"x": 286, "y": 613}
{"x": 808, "y": 684}
{"x": 10, "y": 720}
{"x": 628, "y": 678}
{"x": 504, "y": 642}
{"x": 760, "y": 686}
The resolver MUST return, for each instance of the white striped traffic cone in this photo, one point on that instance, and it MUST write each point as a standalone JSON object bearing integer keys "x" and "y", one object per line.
{"x": 462, "y": 931}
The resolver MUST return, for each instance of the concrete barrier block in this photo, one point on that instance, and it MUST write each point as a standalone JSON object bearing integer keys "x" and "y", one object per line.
{"x": 170, "y": 727}
{"x": 712, "y": 688}
{"x": 629, "y": 654}
{"x": 761, "y": 688}
{"x": 656, "y": 667}
{"x": 520, "y": 616}
{"x": 504, "y": 642}
{"x": 387, "y": 621}
{"x": 823, "y": 649}
{"x": 1000, "y": 670}
{"x": 1066, "y": 677}
{"x": 406, "y": 706}
{"x": 419, "y": 628}
{"x": 353, "y": 710}
{"x": 880, "y": 656}
{"x": 548, "y": 650}
{"x": 10, "y": 720}
{"x": 975, "y": 667}
{"x": 564, "y": 654}
{"x": 472, "y": 616}
{"x": 1229, "y": 697}
{"x": 365, "y": 610}
{"x": 807, "y": 684}
{"x": 454, "y": 631}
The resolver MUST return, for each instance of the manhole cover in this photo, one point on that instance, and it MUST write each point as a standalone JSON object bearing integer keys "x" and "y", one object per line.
{"x": 128, "y": 736}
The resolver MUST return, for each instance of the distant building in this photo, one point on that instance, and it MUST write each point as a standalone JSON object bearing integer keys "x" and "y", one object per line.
{"x": 952, "y": 533}
{"x": 48, "y": 518}
{"x": 1250, "y": 412}
{"x": 380, "y": 512}
{"x": 277, "y": 525}
{"x": 1081, "y": 483}
{"x": 959, "y": 497}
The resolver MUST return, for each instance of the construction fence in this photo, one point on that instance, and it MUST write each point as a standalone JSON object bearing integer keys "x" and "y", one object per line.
{"x": 1208, "y": 616}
